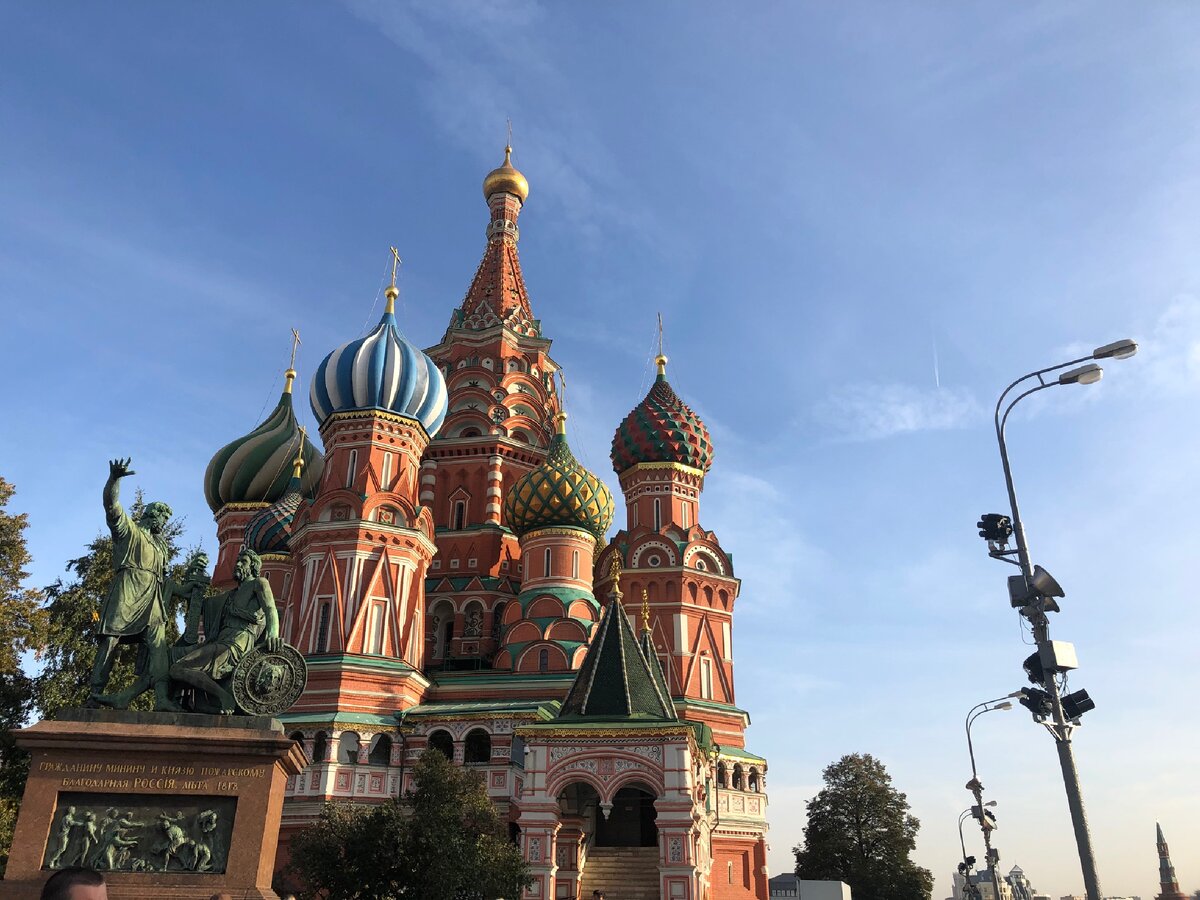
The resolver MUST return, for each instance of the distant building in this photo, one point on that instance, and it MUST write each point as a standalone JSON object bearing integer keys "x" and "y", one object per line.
{"x": 800, "y": 889}
{"x": 981, "y": 888}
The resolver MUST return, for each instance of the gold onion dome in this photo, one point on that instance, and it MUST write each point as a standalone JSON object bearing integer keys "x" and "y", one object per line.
{"x": 559, "y": 493}
{"x": 506, "y": 179}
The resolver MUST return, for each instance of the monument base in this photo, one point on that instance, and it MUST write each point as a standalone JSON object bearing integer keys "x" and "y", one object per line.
{"x": 166, "y": 805}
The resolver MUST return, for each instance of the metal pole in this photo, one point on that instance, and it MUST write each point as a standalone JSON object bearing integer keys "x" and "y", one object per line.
{"x": 969, "y": 888}
{"x": 977, "y": 790}
{"x": 1061, "y": 729}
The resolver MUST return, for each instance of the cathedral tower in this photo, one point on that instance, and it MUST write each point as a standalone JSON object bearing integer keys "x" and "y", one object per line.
{"x": 502, "y": 401}
{"x": 362, "y": 547}
{"x": 661, "y": 453}
{"x": 560, "y": 511}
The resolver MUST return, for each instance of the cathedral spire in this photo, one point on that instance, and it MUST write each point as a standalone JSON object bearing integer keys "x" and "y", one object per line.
{"x": 497, "y": 294}
{"x": 1168, "y": 884}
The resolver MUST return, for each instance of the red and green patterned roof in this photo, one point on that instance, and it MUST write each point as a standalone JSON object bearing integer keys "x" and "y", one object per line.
{"x": 662, "y": 428}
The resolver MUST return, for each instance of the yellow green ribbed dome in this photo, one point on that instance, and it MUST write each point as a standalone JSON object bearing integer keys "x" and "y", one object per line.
{"x": 559, "y": 493}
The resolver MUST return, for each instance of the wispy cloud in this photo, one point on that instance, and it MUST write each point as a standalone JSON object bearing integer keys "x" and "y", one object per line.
{"x": 871, "y": 412}
{"x": 463, "y": 46}
{"x": 1171, "y": 354}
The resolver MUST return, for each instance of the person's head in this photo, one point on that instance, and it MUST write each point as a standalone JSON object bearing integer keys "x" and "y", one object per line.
{"x": 75, "y": 884}
{"x": 248, "y": 565}
{"x": 155, "y": 517}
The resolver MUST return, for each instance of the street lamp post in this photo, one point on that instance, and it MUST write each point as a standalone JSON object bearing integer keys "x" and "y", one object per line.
{"x": 1086, "y": 373}
{"x": 976, "y": 788}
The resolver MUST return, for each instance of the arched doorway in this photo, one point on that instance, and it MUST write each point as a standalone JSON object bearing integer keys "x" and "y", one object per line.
{"x": 630, "y": 822}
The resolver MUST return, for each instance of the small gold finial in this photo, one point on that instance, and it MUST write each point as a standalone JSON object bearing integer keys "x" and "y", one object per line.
{"x": 392, "y": 291}
{"x": 298, "y": 462}
{"x": 645, "y": 610}
{"x": 614, "y": 573}
{"x": 290, "y": 374}
{"x": 560, "y": 423}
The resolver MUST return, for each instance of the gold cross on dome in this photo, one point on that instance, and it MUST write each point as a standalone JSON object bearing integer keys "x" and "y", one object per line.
{"x": 395, "y": 263}
{"x": 295, "y": 345}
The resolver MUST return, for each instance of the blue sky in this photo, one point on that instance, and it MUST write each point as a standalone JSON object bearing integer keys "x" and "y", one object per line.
{"x": 860, "y": 221}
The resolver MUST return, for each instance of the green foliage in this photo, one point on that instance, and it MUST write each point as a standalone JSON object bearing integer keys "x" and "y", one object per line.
{"x": 73, "y": 608}
{"x": 445, "y": 842}
{"x": 860, "y": 831}
{"x": 22, "y": 628}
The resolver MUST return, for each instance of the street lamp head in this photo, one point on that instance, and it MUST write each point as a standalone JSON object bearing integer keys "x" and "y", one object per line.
{"x": 990, "y": 803}
{"x": 1122, "y": 349}
{"x": 1005, "y": 705}
{"x": 1088, "y": 374}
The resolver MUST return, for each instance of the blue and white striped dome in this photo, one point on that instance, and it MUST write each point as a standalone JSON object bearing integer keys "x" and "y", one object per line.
{"x": 381, "y": 371}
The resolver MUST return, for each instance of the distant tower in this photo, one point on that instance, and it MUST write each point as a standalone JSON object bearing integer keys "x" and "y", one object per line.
{"x": 1166, "y": 872}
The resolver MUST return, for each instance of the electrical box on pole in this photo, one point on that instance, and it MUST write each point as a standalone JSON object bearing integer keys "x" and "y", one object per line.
{"x": 1058, "y": 656}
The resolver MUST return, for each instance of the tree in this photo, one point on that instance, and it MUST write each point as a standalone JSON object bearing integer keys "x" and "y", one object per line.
{"x": 22, "y": 628}
{"x": 445, "y": 842}
{"x": 73, "y": 611}
{"x": 860, "y": 831}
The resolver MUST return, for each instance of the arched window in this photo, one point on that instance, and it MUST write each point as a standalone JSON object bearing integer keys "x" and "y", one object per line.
{"x": 320, "y": 747}
{"x": 685, "y": 514}
{"x": 574, "y": 563}
{"x": 447, "y": 636}
{"x": 706, "y": 682}
{"x": 298, "y": 737}
{"x": 657, "y": 514}
{"x": 351, "y": 466}
{"x": 543, "y": 660}
{"x": 443, "y": 743}
{"x": 381, "y": 753}
{"x": 729, "y": 869}
{"x": 478, "y": 746}
{"x": 460, "y": 515}
{"x": 348, "y": 748}
{"x": 722, "y": 775}
{"x": 753, "y": 781}
{"x": 546, "y": 560}
{"x": 385, "y": 475}
{"x": 738, "y": 784}
{"x": 323, "y": 628}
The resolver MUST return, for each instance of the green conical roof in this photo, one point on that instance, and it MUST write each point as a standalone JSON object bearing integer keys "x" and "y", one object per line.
{"x": 616, "y": 680}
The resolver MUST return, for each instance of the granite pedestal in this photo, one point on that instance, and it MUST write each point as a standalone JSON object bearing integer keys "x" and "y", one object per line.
{"x": 168, "y": 805}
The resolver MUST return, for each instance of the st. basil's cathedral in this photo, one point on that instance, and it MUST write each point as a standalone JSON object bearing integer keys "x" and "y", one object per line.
{"x": 445, "y": 567}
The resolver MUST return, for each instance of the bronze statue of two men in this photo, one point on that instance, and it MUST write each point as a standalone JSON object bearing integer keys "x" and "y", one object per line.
{"x": 136, "y": 611}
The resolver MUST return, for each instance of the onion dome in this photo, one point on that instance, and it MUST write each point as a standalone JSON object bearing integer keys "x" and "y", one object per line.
{"x": 255, "y": 468}
{"x": 506, "y": 179}
{"x": 559, "y": 493}
{"x": 270, "y": 529}
{"x": 384, "y": 371}
{"x": 662, "y": 428}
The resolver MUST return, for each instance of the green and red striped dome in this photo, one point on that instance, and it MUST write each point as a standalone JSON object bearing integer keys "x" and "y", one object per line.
{"x": 662, "y": 428}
